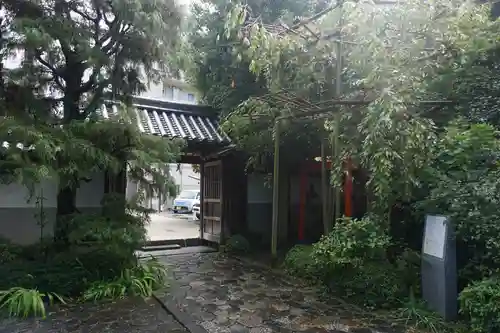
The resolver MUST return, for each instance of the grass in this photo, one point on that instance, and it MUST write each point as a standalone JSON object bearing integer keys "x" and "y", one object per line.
{"x": 21, "y": 302}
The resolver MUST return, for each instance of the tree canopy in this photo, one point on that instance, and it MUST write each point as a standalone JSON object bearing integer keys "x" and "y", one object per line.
{"x": 77, "y": 57}
{"x": 393, "y": 56}
{"x": 213, "y": 65}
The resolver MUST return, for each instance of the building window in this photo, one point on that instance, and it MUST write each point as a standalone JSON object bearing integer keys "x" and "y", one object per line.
{"x": 168, "y": 92}
{"x": 191, "y": 97}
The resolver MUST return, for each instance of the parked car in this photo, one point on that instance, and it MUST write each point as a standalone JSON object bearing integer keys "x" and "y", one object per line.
{"x": 197, "y": 209}
{"x": 185, "y": 201}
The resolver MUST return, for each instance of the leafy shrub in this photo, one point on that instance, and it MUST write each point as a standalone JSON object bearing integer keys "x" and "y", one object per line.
{"x": 480, "y": 302}
{"x": 68, "y": 273}
{"x": 50, "y": 276}
{"x": 9, "y": 251}
{"x": 352, "y": 260}
{"x": 100, "y": 247}
{"x": 20, "y": 302}
{"x": 408, "y": 268}
{"x": 351, "y": 243}
{"x": 122, "y": 233}
{"x": 298, "y": 262}
{"x": 464, "y": 179}
{"x": 97, "y": 261}
{"x": 237, "y": 244}
{"x": 138, "y": 281}
{"x": 375, "y": 284}
{"x": 38, "y": 251}
{"x": 414, "y": 313}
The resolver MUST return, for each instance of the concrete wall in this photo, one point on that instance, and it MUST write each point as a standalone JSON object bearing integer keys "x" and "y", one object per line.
{"x": 259, "y": 211}
{"x": 260, "y": 206}
{"x": 171, "y": 92}
{"x": 18, "y": 221}
{"x": 185, "y": 179}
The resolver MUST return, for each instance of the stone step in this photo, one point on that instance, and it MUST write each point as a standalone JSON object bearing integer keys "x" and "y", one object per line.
{"x": 183, "y": 250}
{"x": 160, "y": 247}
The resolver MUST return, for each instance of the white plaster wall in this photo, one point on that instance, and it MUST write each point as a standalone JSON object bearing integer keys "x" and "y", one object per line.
{"x": 185, "y": 178}
{"x": 18, "y": 221}
{"x": 90, "y": 194}
{"x": 18, "y": 196}
{"x": 258, "y": 191}
{"x": 259, "y": 204}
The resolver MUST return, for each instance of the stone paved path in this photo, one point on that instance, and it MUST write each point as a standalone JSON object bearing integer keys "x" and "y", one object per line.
{"x": 125, "y": 316}
{"x": 224, "y": 295}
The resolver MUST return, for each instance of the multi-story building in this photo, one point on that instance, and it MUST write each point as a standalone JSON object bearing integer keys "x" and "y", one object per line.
{"x": 172, "y": 90}
{"x": 175, "y": 91}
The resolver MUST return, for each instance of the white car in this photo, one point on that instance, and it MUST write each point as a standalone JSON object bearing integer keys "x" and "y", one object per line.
{"x": 196, "y": 209}
{"x": 185, "y": 201}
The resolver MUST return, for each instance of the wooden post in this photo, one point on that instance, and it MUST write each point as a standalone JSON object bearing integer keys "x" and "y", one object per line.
{"x": 324, "y": 190}
{"x": 202, "y": 199}
{"x": 302, "y": 204}
{"x": 274, "y": 229}
{"x": 348, "y": 189}
{"x": 338, "y": 92}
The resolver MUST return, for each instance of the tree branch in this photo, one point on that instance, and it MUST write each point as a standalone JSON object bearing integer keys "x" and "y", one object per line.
{"x": 55, "y": 72}
{"x": 96, "y": 99}
{"x": 68, "y": 54}
{"x": 73, "y": 6}
{"x": 91, "y": 81}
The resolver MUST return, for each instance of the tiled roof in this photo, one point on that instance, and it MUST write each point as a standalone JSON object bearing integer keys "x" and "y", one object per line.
{"x": 172, "y": 120}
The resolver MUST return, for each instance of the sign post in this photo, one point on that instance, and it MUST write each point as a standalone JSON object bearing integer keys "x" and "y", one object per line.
{"x": 439, "y": 267}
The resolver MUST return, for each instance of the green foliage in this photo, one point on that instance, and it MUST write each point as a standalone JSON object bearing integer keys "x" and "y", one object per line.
{"x": 20, "y": 302}
{"x": 8, "y": 251}
{"x": 86, "y": 273}
{"x": 100, "y": 248}
{"x": 110, "y": 41}
{"x": 480, "y": 303}
{"x": 237, "y": 244}
{"x": 352, "y": 261}
{"x": 210, "y": 58}
{"x": 415, "y": 313}
{"x": 413, "y": 50}
{"x": 408, "y": 269}
{"x": 125, "y": 232}
{"x": 351, "y": 243}
{"x": 375, "y": 284}
{"x": 67, "y": 273}
{"x": 464, "y": 182}
{"x": 299, "y": 262}
{"x": 138, "y": 281}
{"x": 76, "y": 57}
{"x": 224, "y": 78}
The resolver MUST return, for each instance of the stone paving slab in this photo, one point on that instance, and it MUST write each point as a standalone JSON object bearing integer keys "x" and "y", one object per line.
{"x": 124, "y": 316}
{"x": 224, "y": 295}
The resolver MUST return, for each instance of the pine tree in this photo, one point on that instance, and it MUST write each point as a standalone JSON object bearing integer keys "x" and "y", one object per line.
{"x": 77, "y": 54}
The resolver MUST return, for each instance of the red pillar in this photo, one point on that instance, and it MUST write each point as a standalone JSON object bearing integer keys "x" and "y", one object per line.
{"x": 302, "y": 203}
{"x": 348, "y": 188}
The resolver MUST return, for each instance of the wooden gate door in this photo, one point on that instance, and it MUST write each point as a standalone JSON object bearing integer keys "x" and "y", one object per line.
{"x": 211, "y": 213}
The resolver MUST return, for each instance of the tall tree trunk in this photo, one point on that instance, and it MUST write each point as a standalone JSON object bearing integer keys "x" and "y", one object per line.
{"x": 66, "y": 196}
{"x": 66, "y": 207}
{"x": 116, "y": 184}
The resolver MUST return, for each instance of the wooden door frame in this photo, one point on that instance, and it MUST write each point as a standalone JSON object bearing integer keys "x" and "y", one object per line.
{"x": 203, "y": 235}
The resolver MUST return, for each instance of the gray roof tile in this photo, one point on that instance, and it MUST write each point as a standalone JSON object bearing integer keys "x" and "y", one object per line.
{"x": 173, "y": 121}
